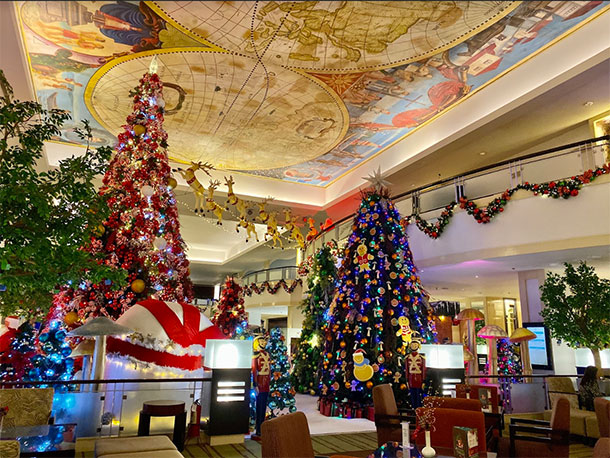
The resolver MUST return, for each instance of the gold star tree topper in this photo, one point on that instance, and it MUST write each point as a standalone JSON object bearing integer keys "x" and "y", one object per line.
{"x": 377, "y": 181}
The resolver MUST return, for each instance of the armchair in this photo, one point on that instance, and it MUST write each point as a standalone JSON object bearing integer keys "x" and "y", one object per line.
{"x": 387, "y": 415}
{"x": 602, "y": 446}
{"x": 286, "y": 435}
{"x": 543, "y": 439}
{"x": 27, "y": 406}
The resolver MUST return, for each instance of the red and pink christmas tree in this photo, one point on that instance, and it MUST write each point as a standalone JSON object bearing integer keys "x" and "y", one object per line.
{"x": 142, "y": 233}
{"x": 231, "y": 316}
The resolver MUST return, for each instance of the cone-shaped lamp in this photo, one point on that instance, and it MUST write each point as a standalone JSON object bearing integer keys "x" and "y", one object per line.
{"x": 522, "y": 336}
{"x": 491, "y": 332}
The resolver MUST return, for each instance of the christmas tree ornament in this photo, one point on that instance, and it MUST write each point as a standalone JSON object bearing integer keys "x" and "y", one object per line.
{"x": 363, "y": 371}
{"x": 160, "y": 243}
{"x": 139, "y": 130}
{"x": 70, "y": 318}
{"x": 172, "y": 183}
{"x": 138, "y": 286}
{"x": 147, "y": 190}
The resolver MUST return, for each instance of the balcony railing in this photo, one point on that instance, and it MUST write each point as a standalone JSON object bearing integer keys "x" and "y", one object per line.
{"x": 543, "y": 166}
{"x": 271, "y": 275}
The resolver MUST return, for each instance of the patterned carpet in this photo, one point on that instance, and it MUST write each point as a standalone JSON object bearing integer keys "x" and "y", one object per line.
{"x": 357, "y": 445}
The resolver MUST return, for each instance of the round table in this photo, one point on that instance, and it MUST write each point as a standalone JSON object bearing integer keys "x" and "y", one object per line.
{"x": 164, "y": 409}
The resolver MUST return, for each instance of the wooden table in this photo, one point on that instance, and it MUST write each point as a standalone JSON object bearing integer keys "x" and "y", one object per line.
{"x": 164, "y": 409}
{"x": 390, "y": 449}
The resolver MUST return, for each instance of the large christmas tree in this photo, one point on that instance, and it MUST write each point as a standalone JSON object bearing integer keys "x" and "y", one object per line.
{"x": 231, "y": 315}
{"x": 281, "y": 393}
{"x": 321, "y": 289}
{"x": 142, "y": 233}
{"x": 379, "y": 307}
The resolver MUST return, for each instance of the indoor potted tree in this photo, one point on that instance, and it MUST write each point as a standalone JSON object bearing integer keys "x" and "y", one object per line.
{"x": 576, "y": 308}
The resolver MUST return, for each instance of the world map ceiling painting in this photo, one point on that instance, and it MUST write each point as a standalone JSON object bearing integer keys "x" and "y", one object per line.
{"x": 297, "y": 91}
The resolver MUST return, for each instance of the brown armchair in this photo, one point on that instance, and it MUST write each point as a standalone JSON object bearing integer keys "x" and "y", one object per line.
{"x": 602, "y": 446}
{"x": 387, "y": 416}
{"x": 543, "y": 439}
{"x": 27, "y": 406}
{"x": 288, "y": 436}
{"x": 9, "y": 449}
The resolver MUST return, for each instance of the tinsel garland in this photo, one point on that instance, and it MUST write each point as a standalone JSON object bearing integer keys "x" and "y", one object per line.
{"x": 556, "y": 189}
{"x": 271, "y": 289}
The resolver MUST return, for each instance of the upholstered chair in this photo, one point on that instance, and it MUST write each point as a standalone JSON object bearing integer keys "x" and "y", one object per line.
{"x": 445, "y": 419}
{"x": 542, "y": 438}
{"x": 288, "y": 436}
{"x": 27, "y": 406}
{"x": 602, "y": 446}
{"x": 387, "y": 416}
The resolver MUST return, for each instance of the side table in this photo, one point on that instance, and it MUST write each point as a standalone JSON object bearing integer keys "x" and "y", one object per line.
{"x": 164, "y": 409}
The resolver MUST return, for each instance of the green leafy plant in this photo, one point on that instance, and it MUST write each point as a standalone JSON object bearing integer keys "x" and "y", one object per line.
{"x": 46, "y": 216}
{"x": 577, "y": 308}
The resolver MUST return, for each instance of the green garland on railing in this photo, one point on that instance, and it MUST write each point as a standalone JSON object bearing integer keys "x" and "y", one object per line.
{"x": 483, "y": 215}
{"x": 266, "y": 286}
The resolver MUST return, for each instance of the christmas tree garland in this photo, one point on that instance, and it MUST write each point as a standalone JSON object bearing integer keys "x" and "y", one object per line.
{"x": 271, "y": 289}
{"x": 556, "y": 189}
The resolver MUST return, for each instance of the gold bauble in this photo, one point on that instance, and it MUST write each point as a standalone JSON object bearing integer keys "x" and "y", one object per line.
{"x": 138, "y": 286}
{"x": 139, "y": 130}
{"x": 172, "y": 183}
{"x": 70, "y": 318}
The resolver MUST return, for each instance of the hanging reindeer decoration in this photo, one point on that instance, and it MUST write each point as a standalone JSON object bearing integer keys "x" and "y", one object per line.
{"x": 291, "y": 226}
{"x": 272, "y": 230}
{"x": 247, "y": 225}
{"x": 210, "y": 203}
{"x": 194, "y": 183}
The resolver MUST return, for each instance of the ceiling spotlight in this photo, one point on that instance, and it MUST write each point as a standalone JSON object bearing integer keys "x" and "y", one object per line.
{"x": 482, "y": 153}
{"x": 587, "y": 104}
{"x": 476, "y": 276}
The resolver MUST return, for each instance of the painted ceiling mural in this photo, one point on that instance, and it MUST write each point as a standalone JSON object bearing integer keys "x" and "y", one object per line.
{"x": 297, "y": 91}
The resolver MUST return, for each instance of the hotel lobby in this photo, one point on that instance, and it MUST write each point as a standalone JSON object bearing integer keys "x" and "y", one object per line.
{"x": 414, "y": 261}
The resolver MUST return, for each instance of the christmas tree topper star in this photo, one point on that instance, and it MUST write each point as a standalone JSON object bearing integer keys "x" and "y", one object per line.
{"x": 376, "y": 180}
{"x": 154, "y": 65}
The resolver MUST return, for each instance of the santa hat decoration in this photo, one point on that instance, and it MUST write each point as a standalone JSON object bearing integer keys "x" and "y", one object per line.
{"x": 168, "y": 334}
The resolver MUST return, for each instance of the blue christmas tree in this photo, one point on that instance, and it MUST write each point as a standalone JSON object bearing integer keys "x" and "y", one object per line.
{"x": 52, "y": 362}
{"x": 281, "y": 393}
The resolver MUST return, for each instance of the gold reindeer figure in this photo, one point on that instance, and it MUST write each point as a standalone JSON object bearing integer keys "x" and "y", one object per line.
{"x": 263, "y": 216}
{"x": 291, "y": 226}
{"x": 210, "y": 203}
{"x": 247, "y": 225}
{"x": 194, "y": 183}
{"x": 240, "y": 204}
{"x": 272, "y": 230}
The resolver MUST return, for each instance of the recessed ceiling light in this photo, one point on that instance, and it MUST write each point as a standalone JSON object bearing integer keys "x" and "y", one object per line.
{"x": 588, "y": 103}
{"x": 482, "y": 153}
{"x": 553, "y": 264}
{"x": 476, "y": 276}
{"x": 596, "y": 256}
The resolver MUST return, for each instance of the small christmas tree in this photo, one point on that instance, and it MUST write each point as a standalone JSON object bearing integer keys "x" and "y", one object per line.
{"x": 509, "y": 358}
{"x": 17, "y": 359}
{"x": 379, "y": 307}
{"x": 321, "y": 289}
{"x": 231, "y": 316}
{"x": 281, "y": 393}
{"x": 52, "y": 362}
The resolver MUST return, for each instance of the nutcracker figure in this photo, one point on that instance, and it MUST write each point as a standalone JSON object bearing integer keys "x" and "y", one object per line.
{"x": 261, "y": 372}
{"x": 415, "y": 367}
